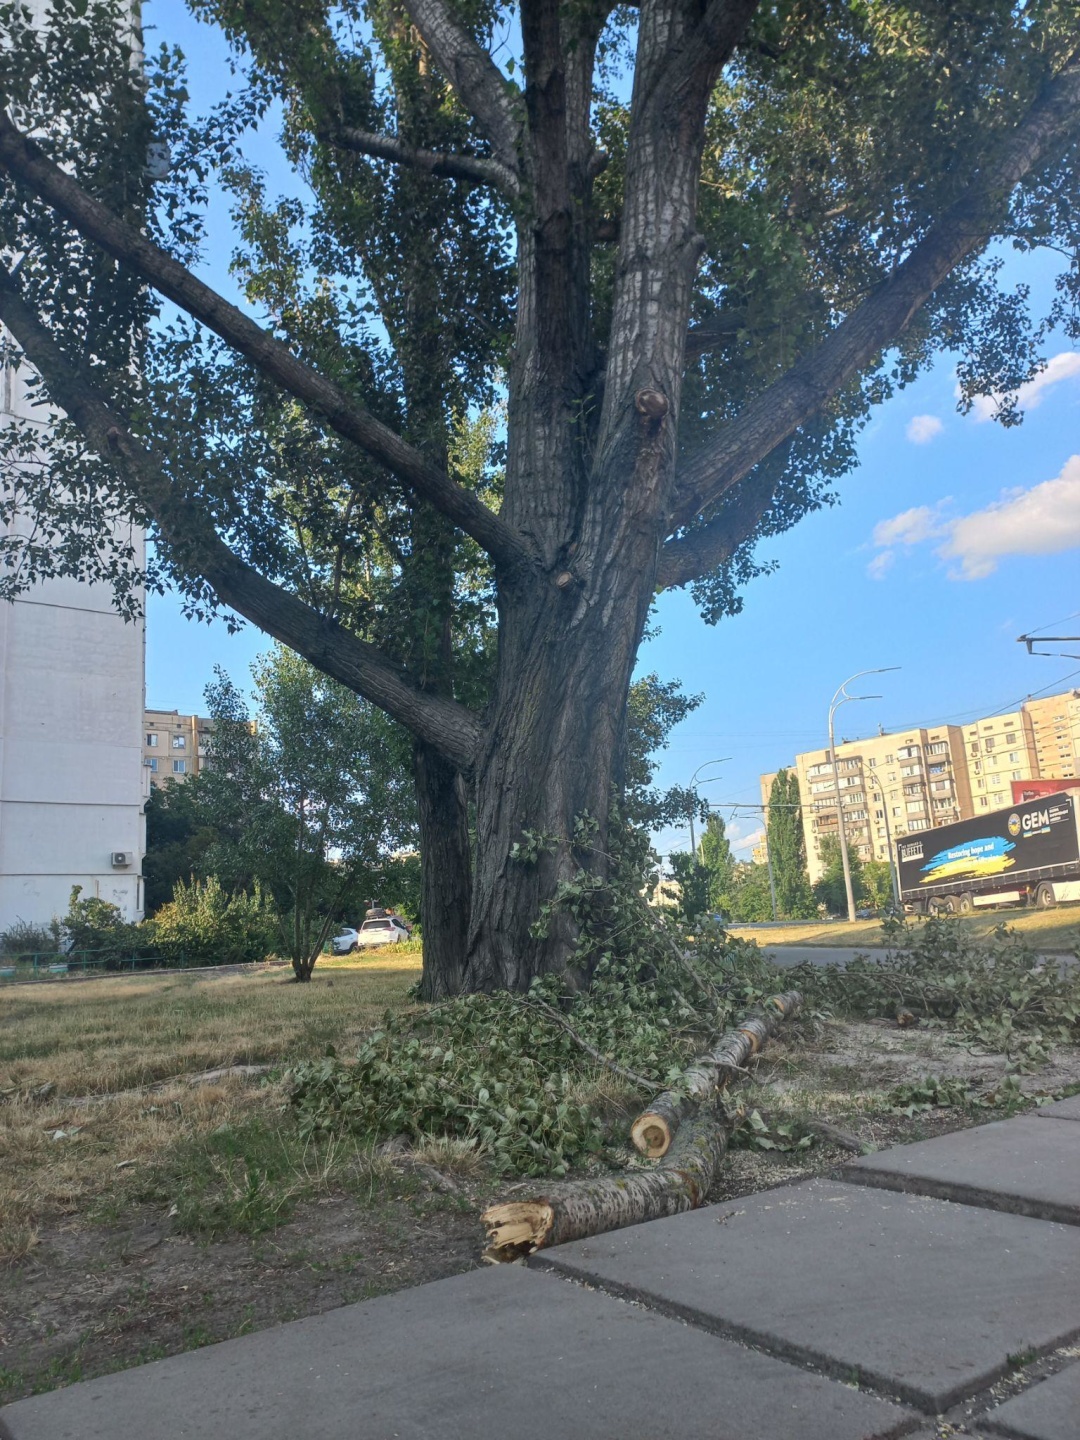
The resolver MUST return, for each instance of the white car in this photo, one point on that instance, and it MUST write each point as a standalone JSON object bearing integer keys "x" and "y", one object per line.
{"x": 386, "y": 931}
{"x": 345, "y": 942}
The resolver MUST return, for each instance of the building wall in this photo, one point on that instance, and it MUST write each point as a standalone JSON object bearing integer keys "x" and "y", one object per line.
{"x": 71, "y": 775}
{"x": 174, "y": 745}
{"x": 1055, "y": 732}
{"x": 911, "y": 780}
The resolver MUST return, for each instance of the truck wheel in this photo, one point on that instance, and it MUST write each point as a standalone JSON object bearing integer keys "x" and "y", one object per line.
{"x": 951, "y": 904}
{"x": 937, "y": 906}
{"x": 967, "y": 904}
{"x": 1044, "y": 897}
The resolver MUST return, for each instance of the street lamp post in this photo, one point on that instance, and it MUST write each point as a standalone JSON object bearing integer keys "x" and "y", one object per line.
{"x": 893, "y": 879}
{"x": 842, "y": 698}
{"x": 693, "y": 777}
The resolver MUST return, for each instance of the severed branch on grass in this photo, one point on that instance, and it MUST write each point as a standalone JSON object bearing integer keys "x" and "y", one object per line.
{"x": 654, "y": 1131}
{"x": 591, "y": 1207}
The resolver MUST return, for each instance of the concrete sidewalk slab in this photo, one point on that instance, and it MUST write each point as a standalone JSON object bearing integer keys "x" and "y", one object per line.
{"x": 1016, "y": 1165}
{"x": 1060, "y": 1110}
{"x": 506, "y": 1354}
{"x": 1050, "y": 1410}
{"x": 922, "y": 1299}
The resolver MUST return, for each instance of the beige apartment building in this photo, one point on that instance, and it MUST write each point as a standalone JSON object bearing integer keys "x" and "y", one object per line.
{"x": 174, "y": 745}
{"x": 910, "y": 780}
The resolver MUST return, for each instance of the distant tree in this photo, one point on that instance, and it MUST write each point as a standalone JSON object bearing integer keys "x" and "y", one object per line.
{"x": 693, "y": 881}
{"x": 877, "y": 882}
{"x": 751, "y": 901}
{"x": 719, "y": 863}
{"x": 829, "y": 890}
{"x": 787, "y": 848}
{"x": 654, "y": 708}
{"x": 178, "y": 834}
{"x": 309, "y": 797}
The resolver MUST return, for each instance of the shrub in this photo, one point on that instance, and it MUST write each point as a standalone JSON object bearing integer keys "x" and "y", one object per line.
{"x": 203, "y": 924}
{"x": 99, "y": 927}
{"x": 22, "y": 937}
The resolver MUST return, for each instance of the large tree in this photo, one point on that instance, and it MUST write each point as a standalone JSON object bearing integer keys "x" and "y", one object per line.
{"x": 687, "y": 246}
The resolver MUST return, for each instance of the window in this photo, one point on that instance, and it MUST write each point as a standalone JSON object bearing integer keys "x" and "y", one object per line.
{"x": 888, "y": 759}
{"x": 151, "y": 764}
{"x": 151, "y": 742}
{"x": 1014, "y": 757}
{"x": 179, "y": 767}
{"x": 989, "y": 743}
{"x": 939, "y": 747}
{"x": 1010, "y": 738}
{"x": 1015, "y": 775}
{"x": 984, "y": 804}
{"x": 918, "y": 825}
{"x": 896, "y": 809}
{"x": 914, "y": 807}
{"x": 179, "y": 742}
{"x": 977, "y": 767}
{"x": 982, "y": 784}
{"x": 872, "y": 763}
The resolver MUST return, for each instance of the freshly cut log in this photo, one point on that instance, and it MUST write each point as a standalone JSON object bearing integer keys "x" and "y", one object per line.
{"x": 590, "y": 1207}
{"x": 654, "y": 1131}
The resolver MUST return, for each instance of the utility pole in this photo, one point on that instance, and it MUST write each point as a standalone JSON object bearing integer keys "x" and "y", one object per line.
{"x": 893, "y": 878}
{"x": 842, "y": 698}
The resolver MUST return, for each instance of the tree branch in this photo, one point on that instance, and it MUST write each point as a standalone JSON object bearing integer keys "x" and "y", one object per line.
{"x": 473, "y": 74}
{"x": 474, "y": 168}
{"x": 1052, "y": 122}
{"x": 699, "y": 551}
{"x": 26, "y": 162}
{"x": 449, "y": 727}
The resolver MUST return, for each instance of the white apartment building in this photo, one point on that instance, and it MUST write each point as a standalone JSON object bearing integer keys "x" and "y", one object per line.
{"x": 72, "y": 781}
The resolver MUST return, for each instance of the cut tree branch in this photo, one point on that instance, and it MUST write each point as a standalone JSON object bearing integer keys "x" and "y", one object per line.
{"x": 26, "y": 162}
{"x": 474, "y": 168}
{"x": 473, "y": 74}
{"x": 443, "y": 723}
{"x": 1052, "y": 122}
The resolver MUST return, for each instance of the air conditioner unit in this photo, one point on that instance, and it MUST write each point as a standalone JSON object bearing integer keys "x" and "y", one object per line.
{"x": 149, "y": 762}
{"x": 121, "y": 859}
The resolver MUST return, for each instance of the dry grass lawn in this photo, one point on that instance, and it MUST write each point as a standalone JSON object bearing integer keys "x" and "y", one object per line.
{"x": 95, "y": 1085}
{"x": 1050, "y": 930}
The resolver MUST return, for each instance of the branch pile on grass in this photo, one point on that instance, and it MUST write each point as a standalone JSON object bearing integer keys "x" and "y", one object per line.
{"x": 695, "y": 1138}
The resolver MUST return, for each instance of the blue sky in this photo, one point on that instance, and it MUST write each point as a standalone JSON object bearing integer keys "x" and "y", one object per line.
{"x": 953, "y": 537}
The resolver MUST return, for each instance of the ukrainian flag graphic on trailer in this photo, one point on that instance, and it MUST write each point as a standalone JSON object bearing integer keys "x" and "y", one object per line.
{"x": 989, "y": 855}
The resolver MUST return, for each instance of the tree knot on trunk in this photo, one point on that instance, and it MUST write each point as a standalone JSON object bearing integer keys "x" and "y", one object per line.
{"x": 564, "y": 579}
{"x": 653, "y": 404}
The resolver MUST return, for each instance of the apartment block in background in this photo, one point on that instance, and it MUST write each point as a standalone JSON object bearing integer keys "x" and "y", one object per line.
{"x": 889, "y": 785}
{"x": 175, "y": 746}
{"x": 1055, "y": 730}
{"x": 896, "y": 784}
{"x": 72, "y": 786}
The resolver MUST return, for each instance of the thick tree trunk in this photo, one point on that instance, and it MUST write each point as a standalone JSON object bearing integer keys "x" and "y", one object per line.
{"x": 445, "y": 872}
{"x": 546, "y": 772}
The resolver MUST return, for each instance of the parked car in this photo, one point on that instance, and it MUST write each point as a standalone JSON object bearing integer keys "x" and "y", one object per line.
{"x": 386, "y": 931}
{"x": 345, "y": 942}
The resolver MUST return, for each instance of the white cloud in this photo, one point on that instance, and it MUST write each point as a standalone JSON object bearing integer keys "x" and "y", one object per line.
{"x": 910, "y": 527}
{"x": 1043, "y": 520}
{"x": 881, "y": 564}
{"x": 921, "y": 429}
{"x": 1030, "y": 396}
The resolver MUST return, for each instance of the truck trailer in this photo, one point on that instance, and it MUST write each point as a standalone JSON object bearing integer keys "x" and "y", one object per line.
{"x": 1024, "y": 854}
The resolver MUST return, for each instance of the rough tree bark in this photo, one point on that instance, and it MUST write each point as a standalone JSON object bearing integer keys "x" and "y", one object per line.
{"x": 590, "y": 524}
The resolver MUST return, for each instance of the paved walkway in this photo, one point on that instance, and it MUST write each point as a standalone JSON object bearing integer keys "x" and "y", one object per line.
{"x": 940, "y": 1279}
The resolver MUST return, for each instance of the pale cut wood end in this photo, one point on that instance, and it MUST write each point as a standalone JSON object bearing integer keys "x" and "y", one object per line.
{"x": 517, "y": 1228}
{"x": 651, "y": 1135}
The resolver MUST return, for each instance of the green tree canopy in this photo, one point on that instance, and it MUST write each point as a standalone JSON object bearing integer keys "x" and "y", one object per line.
{"x": 787, "y": 848}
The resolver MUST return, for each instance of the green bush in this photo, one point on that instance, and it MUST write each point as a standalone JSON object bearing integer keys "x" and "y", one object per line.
{"x": 203, "y": 924}
{"x": 24, "y": 938}
{"x": 97, "y": 926}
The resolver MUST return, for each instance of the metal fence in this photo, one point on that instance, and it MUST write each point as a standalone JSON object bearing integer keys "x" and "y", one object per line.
{"x": 43, "y": 965}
